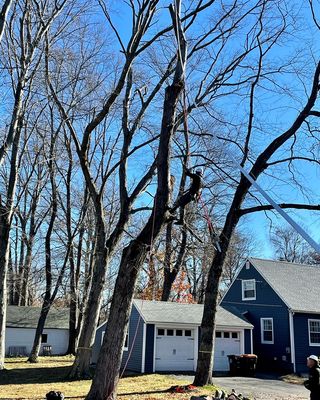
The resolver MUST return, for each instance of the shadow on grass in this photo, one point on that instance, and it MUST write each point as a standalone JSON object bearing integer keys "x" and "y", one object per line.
{"x": 143, "y": 393}
{"x": 24, "y": 376}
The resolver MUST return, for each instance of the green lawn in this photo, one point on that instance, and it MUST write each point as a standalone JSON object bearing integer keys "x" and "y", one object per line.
{"x": 21, "y": 380}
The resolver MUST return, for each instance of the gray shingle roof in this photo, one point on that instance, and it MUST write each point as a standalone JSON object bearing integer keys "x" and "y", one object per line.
{"x": 297, "y": 284}
{"x": 180, "y": 313}
{"x": 27, "y": 317}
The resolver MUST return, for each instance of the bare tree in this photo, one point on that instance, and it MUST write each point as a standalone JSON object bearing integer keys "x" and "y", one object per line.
{"x": 104, "y": 384}
{"x": 26, "y": 29}
{"x": 107, "y": 241}
{"x": 3, "y": 16}
{"x": 289, "y": 245}
{"x": 259, "y": 165}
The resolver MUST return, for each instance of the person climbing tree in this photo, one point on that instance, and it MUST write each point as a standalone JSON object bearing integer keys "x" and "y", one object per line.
{"x": 192, "y": 194}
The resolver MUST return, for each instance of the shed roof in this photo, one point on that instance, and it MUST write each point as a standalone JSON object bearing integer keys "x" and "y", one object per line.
{"x": 179, "y": 313}
{"x": 27, "y": 317}
{"x": 296, "y": 284}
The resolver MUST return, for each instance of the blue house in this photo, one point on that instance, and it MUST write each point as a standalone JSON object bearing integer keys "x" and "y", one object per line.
{"x": 282, "y": 301}
{"x": 164, "y": 336}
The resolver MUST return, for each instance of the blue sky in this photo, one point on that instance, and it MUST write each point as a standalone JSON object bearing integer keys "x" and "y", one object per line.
{"x": 304, "y": 42}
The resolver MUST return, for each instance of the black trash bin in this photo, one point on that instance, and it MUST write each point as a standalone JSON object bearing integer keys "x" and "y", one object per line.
{"x": 249, "y": 364}
{"x": 234, "y": 364}
{"x": 243, "y": 365}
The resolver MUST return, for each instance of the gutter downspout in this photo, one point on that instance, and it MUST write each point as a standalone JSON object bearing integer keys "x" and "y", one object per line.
{"x": 292, "y": 345}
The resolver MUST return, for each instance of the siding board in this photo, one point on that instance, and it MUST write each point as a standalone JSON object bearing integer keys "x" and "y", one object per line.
{"x": 303, "y": 350}
{"x": 24, "y": 337}
{"x": 267, "y": 305}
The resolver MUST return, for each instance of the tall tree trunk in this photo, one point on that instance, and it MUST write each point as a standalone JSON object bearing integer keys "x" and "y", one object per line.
{"x": 171, "y": 274}
{"x": 81, "y": 365}
{"x": 88, "y": 273}
{"x": 48, "y": 298}
{"x": 107, "y": 370}
{"x": 3, "y": 16}
{"x": 73, "y": 305}
{"x": 36, "y": 347}
{"x": 6, "y": 213}
{"x": 4, "y": 259}
{"x": 73, "y": 309}
{"x": 206, "y": 349}
{"x": 24, "y": 298}
{"x": 105, "y": 381}
{"x": 205, "y": 357}
{"x": 11, "y": 281}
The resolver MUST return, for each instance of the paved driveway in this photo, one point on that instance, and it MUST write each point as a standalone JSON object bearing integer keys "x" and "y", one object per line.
{"x": 261, "y": 388}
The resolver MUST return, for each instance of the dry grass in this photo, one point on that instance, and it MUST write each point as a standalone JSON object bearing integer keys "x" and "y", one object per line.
{"x": 292, "y": 378}
{"x": 21, "y": 380}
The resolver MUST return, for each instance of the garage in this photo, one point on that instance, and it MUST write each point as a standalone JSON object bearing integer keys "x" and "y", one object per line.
{"x": 226, "y": 342}
{"x": 175, "y": 349}
{"x": 164, "y": 336}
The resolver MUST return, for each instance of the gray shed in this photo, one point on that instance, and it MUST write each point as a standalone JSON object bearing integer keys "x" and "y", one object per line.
{"x": 167, "y": 337}
{"x": 21, "y": 327}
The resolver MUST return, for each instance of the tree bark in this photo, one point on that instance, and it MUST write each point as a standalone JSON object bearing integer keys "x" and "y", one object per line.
{"x": 3, "y": 16}
{"x": 81, "y": 365}
{"x": 205, "y": 357}
{"x": 171, "y": 274}
{"x": 36, "y": 347}
{"x": 105, "y": 381}
{"x": 48, "y": 296}
{"x": 6, "y": 213}
{"x": 4, "y": 259}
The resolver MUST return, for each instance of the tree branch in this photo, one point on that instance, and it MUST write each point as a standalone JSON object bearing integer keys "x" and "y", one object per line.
{"x": 267, "y": 207}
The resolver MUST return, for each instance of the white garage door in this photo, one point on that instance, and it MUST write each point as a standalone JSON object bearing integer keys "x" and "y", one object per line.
{"x": 174, "y": 349}
{"x": 226, "y": 343}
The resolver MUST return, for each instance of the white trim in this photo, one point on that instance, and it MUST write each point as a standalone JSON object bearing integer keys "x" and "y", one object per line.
{"x": 243, "y": 281}
{"x": 144, "y": 342}
{"x": 102, "y": 336}
{"x": 174, "y": 325}
{"x": 242, "y": 338}
{"x": 154, "y": 348}
{"x": 98, "y": 327}
{"x": 306, "y": 312}
{"x": 251, "y": 341}
{"x": 262, "y": 330}
{"x": 195, "y": 348}
{"x": 134, "y": 303}
{"x": 292, "y": 345}
{"x": 161, "y": 324}
{"x": 127, "y": 334}
{"x": 234, "y": 279}
{"x": 310, "y": 343}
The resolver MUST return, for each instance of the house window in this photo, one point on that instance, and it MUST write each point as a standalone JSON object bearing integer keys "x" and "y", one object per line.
{"x": 218, "y": 334}
{"x": 179, "y": 332}
{"x": 126, "y": 342}
{"x": 266, "y": 330}
{"x": 314, "y": 332}
{"x": 187, "y": 332}
{"x": 234, "y": 335}
{"x": 160, "y": 332}
{"x": 169, "y": 332}
{"x": 44, "y": 338}
{"x": 226, "y": 335}
{"x": 249, "y": 289}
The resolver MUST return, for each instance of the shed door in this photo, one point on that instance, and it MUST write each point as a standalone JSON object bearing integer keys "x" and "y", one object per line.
{"x": 226, "y": 343}
{"x": 174, "y": 349}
